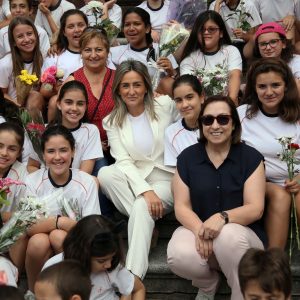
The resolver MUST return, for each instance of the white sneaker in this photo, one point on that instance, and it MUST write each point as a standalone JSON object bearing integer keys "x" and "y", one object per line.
{"x": 29, "y": 295}
{"x": 202, "y": 296}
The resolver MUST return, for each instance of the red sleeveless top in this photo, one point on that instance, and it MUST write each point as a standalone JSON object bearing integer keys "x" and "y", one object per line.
{"x": 107, "y": 103}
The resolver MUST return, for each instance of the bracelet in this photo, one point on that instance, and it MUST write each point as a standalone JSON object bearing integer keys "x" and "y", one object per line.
{"x": 56, "y": 222}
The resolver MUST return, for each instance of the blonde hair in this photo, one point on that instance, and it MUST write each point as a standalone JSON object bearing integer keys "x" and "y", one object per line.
{"x": 120, "y": 111}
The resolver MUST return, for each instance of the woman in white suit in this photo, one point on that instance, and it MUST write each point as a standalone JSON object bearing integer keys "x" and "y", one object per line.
{"x": 138, "y": 183}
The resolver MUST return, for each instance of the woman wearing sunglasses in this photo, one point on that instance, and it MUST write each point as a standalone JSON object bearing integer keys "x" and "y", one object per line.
{"x": 271, "y": 41}
{"x": 273, "y": 111}
{"x": 219, "y": 189}
{"x": 209, "y": 45}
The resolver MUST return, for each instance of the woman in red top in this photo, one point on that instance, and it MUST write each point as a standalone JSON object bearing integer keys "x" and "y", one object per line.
{"x": 97, "y": 78}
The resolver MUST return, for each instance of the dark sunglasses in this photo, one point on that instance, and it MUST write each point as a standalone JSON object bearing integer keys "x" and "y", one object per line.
{"x": 208, "y": 120}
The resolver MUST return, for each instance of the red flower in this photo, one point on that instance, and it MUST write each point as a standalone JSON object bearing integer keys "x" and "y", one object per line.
{"x": 294, "y": 146}
{"x": 35, "y": 127}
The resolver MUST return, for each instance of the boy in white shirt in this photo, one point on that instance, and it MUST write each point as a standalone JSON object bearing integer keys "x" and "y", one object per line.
{"x": 49, "y": 14}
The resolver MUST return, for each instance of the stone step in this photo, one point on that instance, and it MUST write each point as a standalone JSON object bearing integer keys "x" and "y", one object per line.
{"x": 161, "y": 283}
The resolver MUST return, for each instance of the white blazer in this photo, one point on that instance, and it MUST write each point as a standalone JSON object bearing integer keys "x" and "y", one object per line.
{"x": 132, "y": 163}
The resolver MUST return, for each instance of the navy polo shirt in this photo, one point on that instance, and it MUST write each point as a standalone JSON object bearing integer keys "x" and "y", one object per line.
{"x": 212, "y": 189}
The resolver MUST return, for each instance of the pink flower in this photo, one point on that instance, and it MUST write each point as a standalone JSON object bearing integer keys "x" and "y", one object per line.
{"x": 3, "y": 278}
{"x": 49, "y": 75}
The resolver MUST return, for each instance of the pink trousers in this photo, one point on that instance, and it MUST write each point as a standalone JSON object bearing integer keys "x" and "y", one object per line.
{"x": 228, "y": 249}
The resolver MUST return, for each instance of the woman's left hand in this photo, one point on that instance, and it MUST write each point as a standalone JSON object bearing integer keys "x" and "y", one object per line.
{"x": 165, "y": 63}
{"x": 292, "y": 186}
{"x": 211, "y": 227}
{"x": 154, "y": 203}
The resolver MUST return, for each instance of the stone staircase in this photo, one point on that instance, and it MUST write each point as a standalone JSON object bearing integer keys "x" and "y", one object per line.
{"x": 162, "y": 284}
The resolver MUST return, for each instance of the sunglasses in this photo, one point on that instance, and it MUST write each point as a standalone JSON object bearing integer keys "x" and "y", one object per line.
{"x": 208, "y": 120}
{"x": 210, "y": 30}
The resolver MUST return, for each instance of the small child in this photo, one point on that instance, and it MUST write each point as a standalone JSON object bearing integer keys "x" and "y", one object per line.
{"x": 265, "y": 274}
{"x": 96, "y": 243}
{"x": 67, "y": 280}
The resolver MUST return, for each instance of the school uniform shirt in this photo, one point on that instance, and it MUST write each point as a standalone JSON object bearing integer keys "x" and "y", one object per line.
{"x": 104, "y": 284}
{"x": 294, "y": 65}
{"x": 158, "y": 16}
{"x": 178, "y": 137}
{"x": 4, "y": 10}
{"x": 261, "y": 132}
{"x": 231, "y": 20}
{"x": 228, "y": 56}
{"x": 275, "y": 11}
{"x": 27, "y": 147}
{"x": 7, "y": 78}
{"x": 114, "y": 15}
{"x": 68, "y": 61}
{"x": 121, "y": 53}
{"x": 80, "y": 185}
{"x": 56, "y": 13}
{"x": 87, "y": 144}
{"x": 16, "y": 172}
{"x": 5, "y": 47}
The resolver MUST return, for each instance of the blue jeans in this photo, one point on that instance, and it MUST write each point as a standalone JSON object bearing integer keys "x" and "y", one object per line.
{"x": 106, "y": 206}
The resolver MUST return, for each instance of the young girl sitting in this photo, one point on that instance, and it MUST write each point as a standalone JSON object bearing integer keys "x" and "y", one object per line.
{"x": 188, "y": 96}
{"x": 11, "y": 144}
{"x": 209, "y": 45}
{"x": 25, "y": 54}
{"x": 46, "y": 237}
{"x": 96, "y": 243}
{"x": 72, "y": 113}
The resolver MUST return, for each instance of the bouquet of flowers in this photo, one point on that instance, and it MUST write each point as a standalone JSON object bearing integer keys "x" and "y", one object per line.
{"x": 50, "y": 77}
{"x": 70, "y": 208}
{"x": 95, "y": 8}
{"x": 171, "y": 38}
{"x": 214, "y": 81}
{"x": 34, "y": 127}
{"x": 29, "y": 211}
{"x": 186, "y": 11}
{"x": 288, "y": 155}
{"x": 24, "y": 83}
{"x": 242, "y": 16}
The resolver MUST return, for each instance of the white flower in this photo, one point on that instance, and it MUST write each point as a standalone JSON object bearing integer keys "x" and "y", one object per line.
{"x": 94, "y": 4}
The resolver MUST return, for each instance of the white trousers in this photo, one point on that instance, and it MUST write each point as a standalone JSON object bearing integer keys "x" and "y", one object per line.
{"x": 10, "y": 269}
{"x": 140, "y": 225}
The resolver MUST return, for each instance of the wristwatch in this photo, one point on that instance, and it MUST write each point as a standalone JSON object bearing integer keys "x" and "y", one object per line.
{"x": 224, "y": 215}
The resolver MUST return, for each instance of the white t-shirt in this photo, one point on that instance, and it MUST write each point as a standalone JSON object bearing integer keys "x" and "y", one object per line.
{"x": 177, "y": 138}
{"x": 124, "y": 52}
{"x": 104, "y": 284}
{"x": 261, "y": 132}
{"x": 231, "y": 22}
{"x": 87, "y": 145}
{"x": 274, "y": 11}
{"x": 17, "y": 172}
{"x": 142, "y": 133}
{"x": 5, "y": 47}
{"x": 114, "y": 14}
{"x": 228, "y": 56}
{"x": 4, "y": 10}
{"x": 294, "y": 64}
{"x": 158, "y": 16}
{"x": 68, "y": 61}
{"x": 56, "y": 13}
{"x": 7, "y": 78}
{"x": 80, "y": 185}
